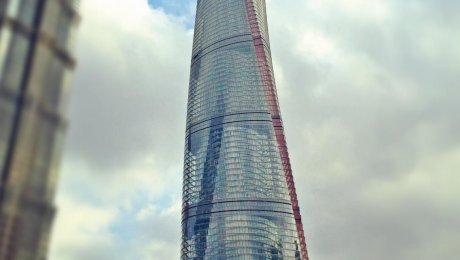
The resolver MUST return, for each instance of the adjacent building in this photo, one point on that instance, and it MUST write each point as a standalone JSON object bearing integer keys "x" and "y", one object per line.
{"x": 35, "y": 68}
{"x": 239, "y": 199}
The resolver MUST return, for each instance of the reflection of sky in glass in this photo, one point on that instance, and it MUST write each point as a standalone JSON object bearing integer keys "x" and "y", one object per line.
{"x": 236, "y": 200}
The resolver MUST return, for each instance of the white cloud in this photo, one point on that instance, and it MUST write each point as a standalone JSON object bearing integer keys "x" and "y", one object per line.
{"x": 377, "y": 9}
{"x": 81, "y": 226}
{"x": 315, "y": 45}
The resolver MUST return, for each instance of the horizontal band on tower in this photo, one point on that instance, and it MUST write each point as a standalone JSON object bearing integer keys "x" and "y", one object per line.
{"x": 226, "y": 115}
{"x": 235, "y": 210}
{"x": 234, "y": 201}
{"x": 223, "y": 43}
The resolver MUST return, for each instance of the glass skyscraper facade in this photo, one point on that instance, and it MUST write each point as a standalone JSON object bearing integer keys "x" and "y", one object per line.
{"x": 35, "y": 68}
{"x": 239, "y": 199}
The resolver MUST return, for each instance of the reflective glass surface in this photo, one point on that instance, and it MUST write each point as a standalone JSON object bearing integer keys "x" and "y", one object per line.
{"x": 236, "y": 202}
{"x": 35, "y": 64}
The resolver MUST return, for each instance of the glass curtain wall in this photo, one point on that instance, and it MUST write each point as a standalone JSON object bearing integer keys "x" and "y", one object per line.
{"x": 35, "y": 67}
{"x": 236, "y": 199}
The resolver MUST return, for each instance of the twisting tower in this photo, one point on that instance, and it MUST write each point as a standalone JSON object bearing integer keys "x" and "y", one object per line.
{"x": 239, "y": 199}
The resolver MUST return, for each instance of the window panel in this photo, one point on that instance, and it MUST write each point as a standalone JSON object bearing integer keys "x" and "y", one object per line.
{"x": 27, "y": 12}
{"x": 15, "y": 62}
{"x": 5, "y": 40}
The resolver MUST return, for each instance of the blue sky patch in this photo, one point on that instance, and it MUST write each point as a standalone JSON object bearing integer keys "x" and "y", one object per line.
{"x": 184, "y": 9}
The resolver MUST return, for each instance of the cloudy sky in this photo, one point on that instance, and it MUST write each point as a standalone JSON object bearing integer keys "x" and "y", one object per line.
{"x": 370, "y": 94}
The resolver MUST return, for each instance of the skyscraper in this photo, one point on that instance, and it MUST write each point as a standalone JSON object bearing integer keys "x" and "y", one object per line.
{"x": 239, "y": 199}
{"x": 35, "y": 68}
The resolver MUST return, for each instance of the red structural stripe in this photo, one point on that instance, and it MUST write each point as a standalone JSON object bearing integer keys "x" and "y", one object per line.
{"x": 272, "y": 100}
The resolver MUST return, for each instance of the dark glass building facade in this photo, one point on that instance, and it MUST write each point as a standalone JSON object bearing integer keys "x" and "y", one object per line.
{"x": 239, "y": 199}
{"x": 35, "y": 68}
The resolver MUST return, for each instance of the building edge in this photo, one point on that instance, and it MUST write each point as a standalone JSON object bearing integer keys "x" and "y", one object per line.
{"x": 272, "y": 100}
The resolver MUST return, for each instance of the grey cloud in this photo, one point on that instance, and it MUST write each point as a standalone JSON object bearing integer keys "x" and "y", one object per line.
{"x": 129, "y": 98}
{"x": 371, "y": 118}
